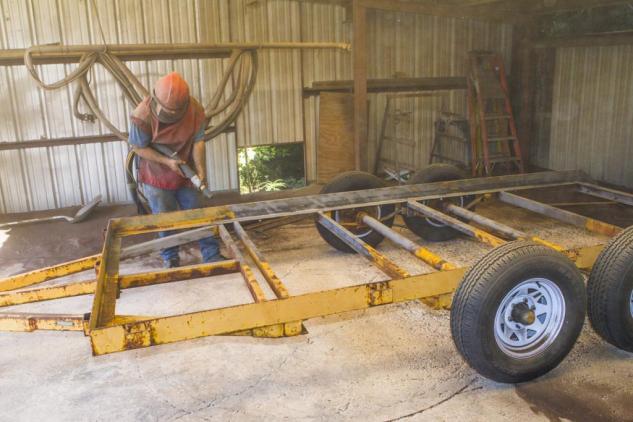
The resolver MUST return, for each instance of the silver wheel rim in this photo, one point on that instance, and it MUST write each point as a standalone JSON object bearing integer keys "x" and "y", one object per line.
{"x": 631, "y": 304}
{"x": 336, "y": 218}
{"x": 438, "y": 224}
{"x": 529, "y": 318}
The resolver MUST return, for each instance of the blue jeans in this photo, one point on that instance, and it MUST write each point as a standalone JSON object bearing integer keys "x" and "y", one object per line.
{"x": 164, "y": 200}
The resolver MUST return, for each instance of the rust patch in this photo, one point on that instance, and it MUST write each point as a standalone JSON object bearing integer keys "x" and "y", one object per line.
{"x": 137, "y": 336}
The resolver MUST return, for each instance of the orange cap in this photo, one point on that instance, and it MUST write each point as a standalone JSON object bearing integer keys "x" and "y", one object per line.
{"x": 172, "y": 92}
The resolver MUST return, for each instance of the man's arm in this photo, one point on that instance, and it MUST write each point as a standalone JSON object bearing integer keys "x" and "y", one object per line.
{"x": 200, "y": 157}
{"x": 151, "y": 154}
{"x": 140, "y": 142}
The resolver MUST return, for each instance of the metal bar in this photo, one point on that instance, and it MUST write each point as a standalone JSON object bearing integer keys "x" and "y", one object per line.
{"x": 561, "y": 215}
{"x": 166, "y": 242}
{"x": 181, "y": 273}
{"x": 39, "y": 276}
{"x": 247, "y": 273}
{"x": 54, "y": 54}
{"x": 496, "y": 226}
{"x": 128, "y": 281}
{"x": 244, "y": 317}
{"x": 351, "y": 240}
{"x": 103, "y": 306}
{"x": 605, "y": 193}
{"x": 32, "y": 322}
{"x": 77, "y": 140}
{"x": 456, "y": 224}
{"x": 273, "y": 281}
{"x": 390, "y": 85}
{"x": 48, "y": 293}
{"x": 333, "y": 201}
{"x": 418, "y": 251}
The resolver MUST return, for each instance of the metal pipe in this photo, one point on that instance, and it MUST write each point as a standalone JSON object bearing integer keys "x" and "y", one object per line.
{"x": 561, "y": 215}
{"x": 496, "y": 226}
{"x": 53, "y": 54}
{"x": 351, "y": 240}
{"x": 456, "y": 224}
{"x": 418, "y": 251}
{"x": 604, "y": 193}
{"x": 484, "y": 221}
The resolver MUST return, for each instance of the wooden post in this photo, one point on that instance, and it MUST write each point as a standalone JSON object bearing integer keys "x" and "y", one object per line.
{"x": 359, "y": 54}
{"x": 522, "y": 87}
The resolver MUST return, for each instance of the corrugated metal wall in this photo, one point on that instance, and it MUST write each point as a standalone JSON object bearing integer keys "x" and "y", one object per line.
{"x": 400, "y": 45}
{"x": 412, "y": 45}
{"x": 592, "y": 117}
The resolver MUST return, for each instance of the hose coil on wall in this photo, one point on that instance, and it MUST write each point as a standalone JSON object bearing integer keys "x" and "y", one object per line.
{"x": 220, "y": 112}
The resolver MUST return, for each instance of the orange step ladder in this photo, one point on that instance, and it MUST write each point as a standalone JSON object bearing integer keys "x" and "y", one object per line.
{"x": 494, "y": 139}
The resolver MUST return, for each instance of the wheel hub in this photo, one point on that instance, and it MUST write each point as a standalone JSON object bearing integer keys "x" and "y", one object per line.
{"x": 523, "y": 314}
{"x": 352, "y": 221}
{"x": 438, "y": 204}
{"x": 529, "y": 318}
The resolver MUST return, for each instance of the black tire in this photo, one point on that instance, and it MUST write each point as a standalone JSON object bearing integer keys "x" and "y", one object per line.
{"x": 610, "y": 292}
{"x": 479, "y": 303}
{"x": 353, "y": 181}
{"x": 424, "y": 227}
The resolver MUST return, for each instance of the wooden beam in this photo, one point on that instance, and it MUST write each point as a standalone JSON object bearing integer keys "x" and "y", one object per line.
{"x": 593, "y": 40}
{"x": 390, "y": 85}
{"x": 522, "y": 86}
{"x": 359, "y": 59}
{"x": 534, "y": 9}
{"x": 572, "y": 5}
{"x": 545, "y": 67}
{"x": 407, "y": 6}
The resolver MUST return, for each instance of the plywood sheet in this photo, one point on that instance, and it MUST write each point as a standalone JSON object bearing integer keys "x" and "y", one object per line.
{"x": 335, "y": 149}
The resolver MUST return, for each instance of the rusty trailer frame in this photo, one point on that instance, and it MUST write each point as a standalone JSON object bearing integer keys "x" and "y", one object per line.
{"x": 284, "y": 315}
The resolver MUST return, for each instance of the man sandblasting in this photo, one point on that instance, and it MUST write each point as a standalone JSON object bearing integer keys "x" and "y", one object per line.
{"x": 171, "y": 117}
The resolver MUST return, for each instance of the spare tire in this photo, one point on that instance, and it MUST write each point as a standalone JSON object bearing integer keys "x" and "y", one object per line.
{"x": 610, "y": 292}
{"x": 354, "y": 181}
{"x": 425, "y": 227}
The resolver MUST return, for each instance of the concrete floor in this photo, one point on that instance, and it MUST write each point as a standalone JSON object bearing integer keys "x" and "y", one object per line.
{"x": 396, "y": 362}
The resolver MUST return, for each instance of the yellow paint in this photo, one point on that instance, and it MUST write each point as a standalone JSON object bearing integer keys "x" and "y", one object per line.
{"x": 271, "y": 278}
{"x": 433, "y": 260}
{"x": 488, "y": 238}
{"x": 554, "y": 246}
{"x": 39, "y": 276}
{"x": 32, "y": 322}
{"x": 177, "y": 274}
{"x": 385, "y": 264}
{"x": 252, "y": 284}
{"x": 439, "y": 302}
{"x": 103, "y": 306}
{"x": 188, "y": 219}
{"x": 601, "y": 227}
{"x": 125, "y": 282}
{"x": 48, "y": 293}
{"x": 267, "y": 313}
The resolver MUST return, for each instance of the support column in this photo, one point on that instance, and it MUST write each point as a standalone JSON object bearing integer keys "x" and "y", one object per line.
{"x": 359, "y": 60}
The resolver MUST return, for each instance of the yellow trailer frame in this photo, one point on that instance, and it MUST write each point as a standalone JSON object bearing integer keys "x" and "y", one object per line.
{"x": 283, "y": 315}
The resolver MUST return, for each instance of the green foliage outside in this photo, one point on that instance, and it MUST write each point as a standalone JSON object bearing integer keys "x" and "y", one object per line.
{"x": 271, "y": 168}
